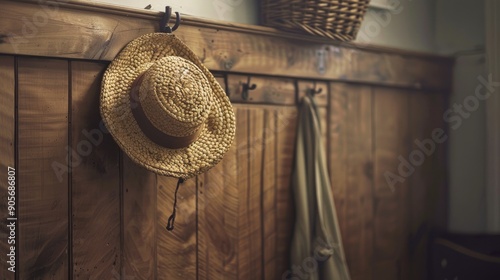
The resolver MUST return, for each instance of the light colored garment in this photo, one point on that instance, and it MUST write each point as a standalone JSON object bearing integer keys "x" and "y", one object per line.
{"x": 317, "y": 252}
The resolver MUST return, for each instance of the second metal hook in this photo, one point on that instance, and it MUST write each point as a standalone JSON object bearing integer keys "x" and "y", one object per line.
{"x": 164, "y": 27}
{"x": 246, "y": 87}
{"x": 313, "y": 91}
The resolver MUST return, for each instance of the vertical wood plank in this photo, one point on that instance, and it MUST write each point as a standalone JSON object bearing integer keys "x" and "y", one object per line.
{"x": 351, "y": 172}
{"x": 231, "y": 202}
{"x": 418, "y": 183}
{"x": 338, "y": 127}
{"x": 242, "y": 136}
{"x": 359, "y": 195}
{"x": 425, "y": 183}
{"x": 286, "y": 126}
{"x": 391, "y": 205}
{"x": 95, "y": 180}
{"x": 176, "y": 249}
{"x": 7, "y": 158}
{"x": 218, "y": 220}
{"x": 254, "y": 199}
{"x": 269, "y": 195}
{"x": 139, "y": 222}
{"x": 43, "y": 192}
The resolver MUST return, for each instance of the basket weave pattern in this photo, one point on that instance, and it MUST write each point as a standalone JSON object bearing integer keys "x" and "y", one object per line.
{"x": 335, "y": 19}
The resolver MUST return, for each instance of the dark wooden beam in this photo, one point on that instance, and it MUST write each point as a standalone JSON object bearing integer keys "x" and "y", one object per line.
{"x": 84, "y": 30}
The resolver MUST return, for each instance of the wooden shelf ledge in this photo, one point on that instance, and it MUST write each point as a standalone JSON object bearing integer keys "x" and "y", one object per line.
{"x": 83, "y": 30}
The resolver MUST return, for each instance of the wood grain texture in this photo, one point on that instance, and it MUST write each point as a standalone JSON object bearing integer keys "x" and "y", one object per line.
{"x": 352, "y": 175}
{"x": 286, "y": 126}
{"x": 95, "y": 180}
{"x": 438, "y": 196}
{"x": 220, "y": 47}
{"x": 269, "y": 187}
{"x": 426, "y": 183}
{"x": 218, "y": 206}
{"x": 391, "y": 202}
{"x": 176, "y": 249}
{"x": 139, "y": 222}
{"x": 43, "y": 139}
{"x": 243, "y": 167}
{"x": 338, "y": 127}
{"x": 351, "y": 172}
{"x": 7, "y": 156}
{"x": 359, "y": 208}
{"x": 254, "y": 188}
{"x": 267, "y": 91}
{"x": 250, "y": 165}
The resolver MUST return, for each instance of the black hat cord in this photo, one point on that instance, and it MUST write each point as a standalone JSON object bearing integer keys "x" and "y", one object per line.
{"x": 171, "y": 219}
{"x": 164, "y": 27}
{"x": 165, "y": 19}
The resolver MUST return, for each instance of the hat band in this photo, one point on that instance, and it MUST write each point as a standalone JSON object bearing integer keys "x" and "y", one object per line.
{"x": 153, "y": 133}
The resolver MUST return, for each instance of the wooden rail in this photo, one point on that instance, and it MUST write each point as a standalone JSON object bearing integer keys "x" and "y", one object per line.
{"x": 84, "y": 30}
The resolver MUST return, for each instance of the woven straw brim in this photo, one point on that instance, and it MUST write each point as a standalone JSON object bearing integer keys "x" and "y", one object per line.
{"x": 217, "y": 133}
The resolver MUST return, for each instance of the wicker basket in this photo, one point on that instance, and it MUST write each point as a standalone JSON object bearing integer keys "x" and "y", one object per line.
{"x": 336, "y": 19}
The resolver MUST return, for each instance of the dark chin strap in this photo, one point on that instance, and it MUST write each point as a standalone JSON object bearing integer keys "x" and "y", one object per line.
{"x": 171, "y": 219}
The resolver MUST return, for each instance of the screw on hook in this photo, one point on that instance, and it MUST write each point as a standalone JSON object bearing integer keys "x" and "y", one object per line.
{"x": 246, "y": 87}
{"x": 165, "y": 19}
{"x": 313, "y": 91}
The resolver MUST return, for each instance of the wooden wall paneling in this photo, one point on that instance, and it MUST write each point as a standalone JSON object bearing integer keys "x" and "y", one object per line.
{"x": 138, "y": 222}
{"x": 269, "y": 221}
{"x": 43, "y": 192}
{"x": 421, "y": 126}
{"x": 352, "y": 174}
{"x": 337, "y": 146}
{"x": 438, "y": 196}
{"x": 286, "y": 126}
{"x": 391, "y": 210}
{"x": 426, "y": 182}
{"x": 7, "y": 162}
{"x": 218, "y": 206}
{"x": 176, "y": 249}
{"x": 95, "y": 180}
{"x": 254, "y": 199}
{"x": 243, "y": 159}
{"x": 267, "y": 91}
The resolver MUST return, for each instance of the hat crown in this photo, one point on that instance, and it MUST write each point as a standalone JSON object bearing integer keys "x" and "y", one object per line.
{"x": 175, "y": 96}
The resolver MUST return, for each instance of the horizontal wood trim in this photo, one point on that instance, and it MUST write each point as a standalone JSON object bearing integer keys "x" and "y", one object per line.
{"x": 111, "y": 9}
{"x": 98, "y": 32}
{"x": 267, "y": 90}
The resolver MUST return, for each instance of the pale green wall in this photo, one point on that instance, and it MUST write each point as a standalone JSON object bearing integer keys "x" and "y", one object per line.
{"x": 243, "y": 11}
{"x": 460, "y": 32}
{"x": 409, "y": 26}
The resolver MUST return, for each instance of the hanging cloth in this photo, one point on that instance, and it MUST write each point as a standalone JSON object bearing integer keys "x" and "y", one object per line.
{"x": 316, "y": 250}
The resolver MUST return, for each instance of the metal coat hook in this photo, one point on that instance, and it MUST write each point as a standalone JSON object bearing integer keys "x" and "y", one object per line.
{"x": 246, "y": 87}
{"x": 313, "y": 91}
{"x": 165, "y": 19}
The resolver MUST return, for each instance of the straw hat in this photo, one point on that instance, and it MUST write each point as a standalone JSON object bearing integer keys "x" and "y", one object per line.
{"x": 165, "y": 109}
